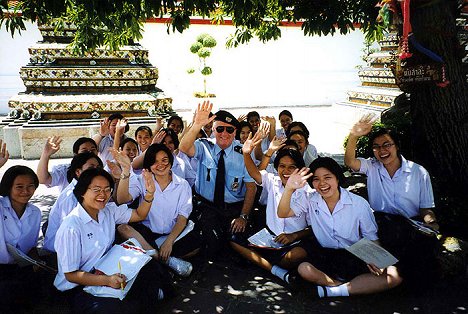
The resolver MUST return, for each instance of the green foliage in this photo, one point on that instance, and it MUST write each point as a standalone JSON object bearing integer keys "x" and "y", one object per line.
{"x": 202, "y": 47}
{"x": 204, "y": 52}
{"x": 195, "y": 47}
{"x": 113, "y": 23}
{"x": 206, "y": 71}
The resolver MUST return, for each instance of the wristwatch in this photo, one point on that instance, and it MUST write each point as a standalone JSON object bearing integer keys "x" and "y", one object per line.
{"x": 124, "y": 176}
{"x": 244, "y": 216}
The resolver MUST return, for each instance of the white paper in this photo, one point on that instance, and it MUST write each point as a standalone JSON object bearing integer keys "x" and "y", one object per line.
{"x": 24, "y": 260}
{"x": 421, "y": 227}
{"x": 264, "y": 238}
{"x": 371, "y": 253}
{"x": 131, "y": 257}
{"x": 189, "y": 227}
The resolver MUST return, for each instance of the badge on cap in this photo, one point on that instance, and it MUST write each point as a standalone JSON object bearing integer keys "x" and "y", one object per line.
{"x": 228, "y": 120}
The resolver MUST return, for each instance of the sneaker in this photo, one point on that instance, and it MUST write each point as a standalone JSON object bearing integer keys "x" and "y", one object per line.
{"x": 180, "y": 267}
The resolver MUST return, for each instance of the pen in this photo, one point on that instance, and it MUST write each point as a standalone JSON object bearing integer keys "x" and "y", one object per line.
{"x": 120, "y": 273}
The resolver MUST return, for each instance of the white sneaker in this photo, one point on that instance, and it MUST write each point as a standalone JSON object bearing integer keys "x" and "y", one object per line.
{"x": 180, "y": 267}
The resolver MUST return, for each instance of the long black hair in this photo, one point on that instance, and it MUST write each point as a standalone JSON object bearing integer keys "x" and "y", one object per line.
{"x": 10, "y": 175}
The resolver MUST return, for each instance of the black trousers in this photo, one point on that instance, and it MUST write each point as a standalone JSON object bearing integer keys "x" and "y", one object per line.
{"x": 414, "y": 250}
{"x": 215, "y": 224}
{"x": 142, "y": 297}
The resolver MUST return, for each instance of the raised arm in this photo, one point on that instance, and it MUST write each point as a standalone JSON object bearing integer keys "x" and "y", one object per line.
{"x": 272, "y": 121}
{"x": 360, "y": 128}
{"x": 122, "y": 196}
{"x": 275, "y": 145}
{"x": 3, "y": 153}
{"x": 247, "y": 148}
{"x": 263, "y": 131}
{"x": 51, "y": 147}
{"x": 142, "y": 211}
{"x": 119, "y": 131}
{"x": 201, "y": 118}
{"x": 297, "y": 180}
{"x": 103, "y": 131}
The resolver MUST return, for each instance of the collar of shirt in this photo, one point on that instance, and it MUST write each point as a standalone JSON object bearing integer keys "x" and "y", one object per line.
{"x": 404, "y": 167}
{"x": 345, "y": 199}
{"x": 5, "y": 203}
{"x": 227, "y": 151}
{"x": 85, "y": 217}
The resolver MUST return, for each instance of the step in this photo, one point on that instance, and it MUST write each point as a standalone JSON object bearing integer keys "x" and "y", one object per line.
{"x": 45, "y": 53}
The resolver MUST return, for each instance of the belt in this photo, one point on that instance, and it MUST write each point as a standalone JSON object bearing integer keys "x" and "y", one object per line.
{"x": 225, "y": 205}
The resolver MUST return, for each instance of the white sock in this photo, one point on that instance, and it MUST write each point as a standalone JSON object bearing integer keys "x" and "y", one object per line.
{"x": 160, "y": 294}
{"x": 338, "y": 291}
{"x": 171, "y": 261}
{"x": 280, "y": 273}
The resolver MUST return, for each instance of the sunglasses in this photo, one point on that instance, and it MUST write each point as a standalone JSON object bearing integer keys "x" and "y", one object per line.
{"x": 229, "y": 129}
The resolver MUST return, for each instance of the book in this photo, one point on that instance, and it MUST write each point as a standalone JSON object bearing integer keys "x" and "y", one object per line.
{"x": 422, "y": 228}
{"x": 189, "y": 227}
{"x": 264, "y": 239}
{"x": 372, "y": 253}
{"x": 24, "y": 260}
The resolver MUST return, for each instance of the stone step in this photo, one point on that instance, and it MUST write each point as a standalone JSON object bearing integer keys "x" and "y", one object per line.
{"x": 382, "y": 77}
{"x": 383, "y": 97}
{"x": 377, "y": 109}
{"x": 63, "y": 79}
{"x": 46, "y": 53}
{"x": 74, "y": 106}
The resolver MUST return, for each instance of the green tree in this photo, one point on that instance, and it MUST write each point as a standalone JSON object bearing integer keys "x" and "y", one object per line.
{"x": 202, "y": 47}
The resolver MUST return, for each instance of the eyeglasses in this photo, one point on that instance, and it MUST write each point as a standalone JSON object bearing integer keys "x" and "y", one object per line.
{"x": 229, "y": 129}
{"x": 385, "y": 146}
{"x": 99, "y": 190}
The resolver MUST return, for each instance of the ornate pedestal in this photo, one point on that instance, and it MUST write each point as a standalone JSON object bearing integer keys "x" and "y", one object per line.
{"x": 62, "y": 87}
{"x": 378, "y": 89}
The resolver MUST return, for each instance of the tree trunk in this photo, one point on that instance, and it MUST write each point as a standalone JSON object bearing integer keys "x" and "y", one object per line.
{"x": 440, "y": 115}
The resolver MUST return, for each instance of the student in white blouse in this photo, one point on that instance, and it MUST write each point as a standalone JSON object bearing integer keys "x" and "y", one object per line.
{"x": 338, "y": 219}
{"x": 19, "y": 226}
{"x": 58, "y": 175}
{"x": 87, "y": 233}
{"x": 66, "y": 201}
{"x": 287, "y": 231}
{"x": 398, "y": 189}
{"x": 169, "y": 212}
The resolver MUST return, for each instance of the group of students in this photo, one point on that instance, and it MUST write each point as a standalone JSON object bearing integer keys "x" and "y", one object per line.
{"x": 165, "y": 189}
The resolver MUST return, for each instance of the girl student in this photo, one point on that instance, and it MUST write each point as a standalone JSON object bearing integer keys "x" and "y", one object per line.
{"x": 66, "y": 201}
{"x": 285, "y": 118}
{"x": 338, "y": 219}
{"x": 58, "y": 175}
{"x": 286, "y": 230}
{"x": 87, "y": 233}
{"x": 398, "y": 189}
{"x": 143, "y": 136}
{"x": 19, "y": 227}
{"x": 169, "y": 212}
{"x": 308, "y": 151}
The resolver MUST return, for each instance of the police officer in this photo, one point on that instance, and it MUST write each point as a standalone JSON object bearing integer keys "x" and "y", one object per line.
{"x": 224, "y": 204}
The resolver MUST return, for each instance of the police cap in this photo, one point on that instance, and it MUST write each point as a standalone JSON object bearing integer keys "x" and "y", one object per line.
{"x": 226, "y": 117}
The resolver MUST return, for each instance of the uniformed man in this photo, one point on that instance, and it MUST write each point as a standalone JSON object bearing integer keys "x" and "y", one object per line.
{"x": 224, "y": 190}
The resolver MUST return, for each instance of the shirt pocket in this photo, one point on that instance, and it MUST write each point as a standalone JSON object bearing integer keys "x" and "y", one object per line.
{"x": 234, "y": 182}
{"x": 210, "y": 166}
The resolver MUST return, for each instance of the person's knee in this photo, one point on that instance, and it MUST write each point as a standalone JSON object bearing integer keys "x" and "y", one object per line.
{"x": 393, "y": 277}
{"x": 307, "y": 271}
{"x": 125, "y": 230}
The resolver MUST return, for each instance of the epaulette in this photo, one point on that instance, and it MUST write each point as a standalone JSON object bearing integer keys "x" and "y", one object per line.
{"x": 206, "y": 141}
{"x": 238, "y": 149}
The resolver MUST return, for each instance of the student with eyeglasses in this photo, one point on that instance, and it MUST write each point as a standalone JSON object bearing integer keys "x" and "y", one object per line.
{"x": 398, "y": 189}
{"x": 66, "y": 201}
{"x": 224, "y": 190}
{"x": 87, "y": 233}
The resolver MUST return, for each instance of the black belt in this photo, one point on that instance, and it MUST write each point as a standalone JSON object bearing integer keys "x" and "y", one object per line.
{"x": 226, "y": 206}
